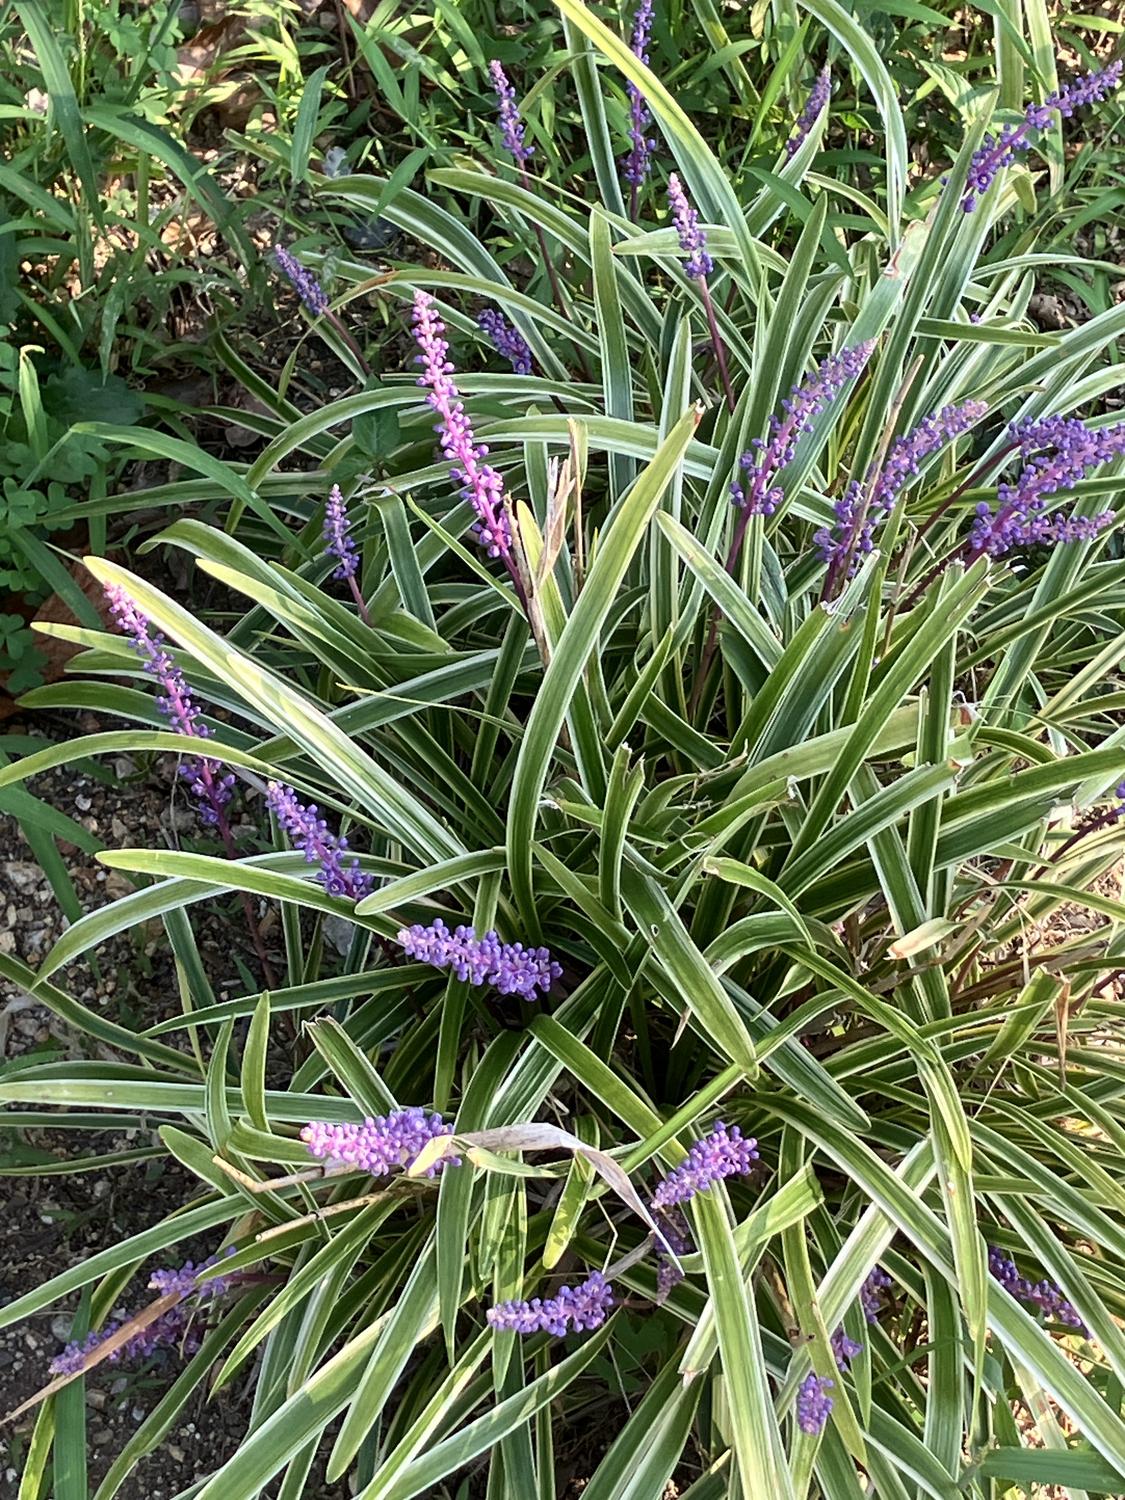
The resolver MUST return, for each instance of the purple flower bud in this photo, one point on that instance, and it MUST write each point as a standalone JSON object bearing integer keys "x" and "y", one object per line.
{"x": 508, "y": 341}
{"x": 511, "y": 126}
{"x": 635, "y": 167}
{"x": 211, "y": 790}
{"x": 579, "y": 1308}
{"x": 844, "y": 1349}
{"x": 758, "y": 494}
{"x": 721, "y": 1153}
{"x": 309, "y": 833}
{"x": 693, "y": 240}
{"x": 303, "y": 282}
{"x": 814, "y": 1403}
{"x": 338, "y": 542}
{"x": 510, "y": 967}
{"x": 381, "y": 1145}
{"x": 871, "y": 1294}
{"x": 817, "y": 101}
{"x": 997, "y": 152}
{"x": 480, "y": 484}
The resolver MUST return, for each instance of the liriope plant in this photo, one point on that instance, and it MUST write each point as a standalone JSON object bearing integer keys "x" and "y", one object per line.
{"x": 705, "y": 748}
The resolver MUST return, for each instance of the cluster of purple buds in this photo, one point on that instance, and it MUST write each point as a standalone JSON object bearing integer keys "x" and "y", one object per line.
{"x": 814, "y": 1403}
{"x": 380, "y": 1145}
{"x": 480, "y": 484}
{"x": 173, "y": 1329}
{"x": 872, "y": 1294}
{"x": 1066, "y": 450}
{"x": 1045, "y": 1295}
{"x": 693, "y": 239}
{"x": 674, "y": 1239}
{"x": 303, "y": 282}
{"x": 844, "y": 1349}
{"x": 511, "y": 126}
{"x": 757, "y": 493}
{"x": 338, "y": 540}
{"x": 509, "y": 967}
{"x": 572, "y": 1309}
{"x": 721, "y": 1153}
{"x": 816, "y": 102}
{"x": 635, "y": 167}
{"x": 211, "y": 789}
{"x": 852, "y": 536}
{"x": 996, "y": 152}
{"x": 507, "y": 341}
{"x": 340, "y": 876}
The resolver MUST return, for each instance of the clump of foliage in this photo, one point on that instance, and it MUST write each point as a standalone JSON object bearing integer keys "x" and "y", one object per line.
{"x": 698, "y": 708}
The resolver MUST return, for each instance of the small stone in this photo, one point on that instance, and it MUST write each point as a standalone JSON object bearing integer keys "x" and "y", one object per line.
{"x": 123, "y": 767}
{"x": 338, "y": 934}
{"x": 22, "y": 875}
{"x": 83, "y": 803}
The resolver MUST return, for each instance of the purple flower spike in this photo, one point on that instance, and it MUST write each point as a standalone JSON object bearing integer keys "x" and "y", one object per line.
{"x": 757, "y": 494}
{"x": 381, "y": 1145}
{"x": 997, "y": 152}
{"x": 635, "y": 167}
{"x": 1066, "y": 449}
{"x": 872, "y": 1296}
{"x": 173, "y": 1328}
{"x": 508, "y": 341}
{"x": 814, "y": 1404}
{"x": 844, "y": 1349}
{"x": 480, "y": 484}
{"x": 721, "y": 1153}
{"x": 310, "y": 833}
{"x": 338, "y": 542}
{"x": 210, "y": 788}
{"x": 510, "y": 967}
{"x": 693, "y": 240}
{"x": 816, "y": 102}
{"x": 853, "y": 536}
{"x": 511, "y": 126}
{"x": 579, "y": 1308}
{"x": 1044, "y": 1295}
{"x": 303, "y": 282}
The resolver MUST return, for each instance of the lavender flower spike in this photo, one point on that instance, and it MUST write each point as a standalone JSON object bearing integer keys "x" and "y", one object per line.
{"x": 480, "y": 484}
{"x": 1066, "y": 450}
{"x": 511, "y": 126}
{"x": 816, "y": 102}
{"x": 693, "y": 240}
{"x": 338, "y": 541}
{"x": 173, "y": 1327}
{"x": 310, "y": 833}
{"x": 852, "y": 536}
{"x": 758, "y": 494}
{"x": 635, "y": 167}
{"x": 579, "y": 1308}
{"x": 303, "y": 282}
{"x": 997, "y": 152}
{"x": 721, "y": 1153}
{"x": 211, "y": 790}
{"x": 507, "y": 341}
{"x": 381, "y": 1145}
{"x": 510, "y": 967}
{"x": 1045, "y": 1295}
{"x": 814, "y": 1404}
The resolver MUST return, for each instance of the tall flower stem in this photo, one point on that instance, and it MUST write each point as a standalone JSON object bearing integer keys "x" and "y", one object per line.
{"x": 716, "y": 341}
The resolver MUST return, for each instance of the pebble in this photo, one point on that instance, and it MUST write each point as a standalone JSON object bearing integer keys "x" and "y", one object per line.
{"x": 83, "y": 803}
